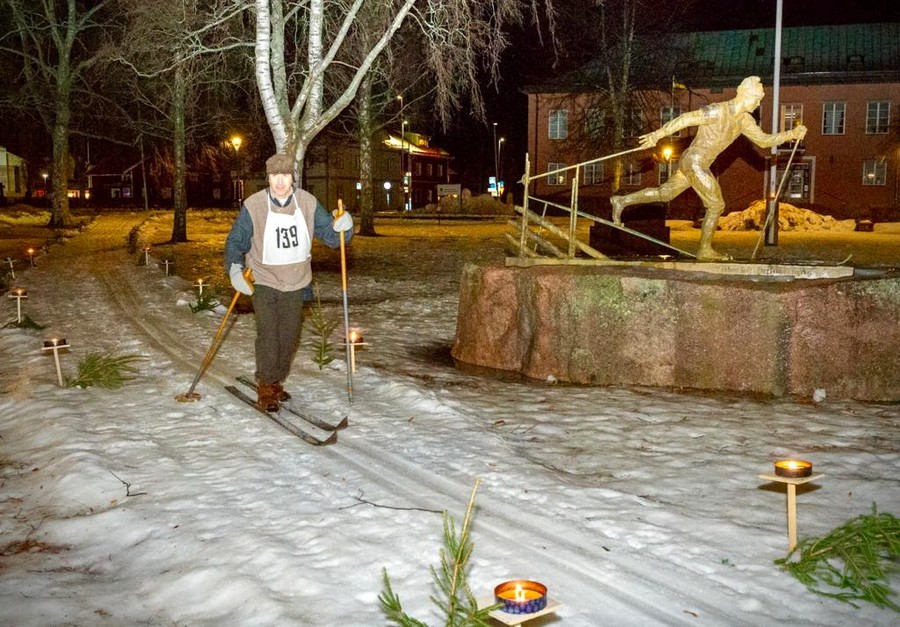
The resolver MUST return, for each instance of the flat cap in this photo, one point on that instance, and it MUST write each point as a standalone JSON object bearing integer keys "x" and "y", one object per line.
{"x": 279, "y": 164}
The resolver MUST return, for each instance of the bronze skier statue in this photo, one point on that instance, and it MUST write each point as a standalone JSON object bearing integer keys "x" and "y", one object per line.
{"x": 718, "y": 125}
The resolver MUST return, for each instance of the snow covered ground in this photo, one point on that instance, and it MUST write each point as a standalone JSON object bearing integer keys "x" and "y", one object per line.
{"x": 634, "y": 506}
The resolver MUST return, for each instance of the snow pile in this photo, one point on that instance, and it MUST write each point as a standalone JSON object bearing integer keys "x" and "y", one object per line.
{"x": 790, "y": 218}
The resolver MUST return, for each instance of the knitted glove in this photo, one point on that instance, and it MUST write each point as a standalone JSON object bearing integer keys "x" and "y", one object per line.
{"x": 238, "y": 282}
{"x": 343, "y": 222}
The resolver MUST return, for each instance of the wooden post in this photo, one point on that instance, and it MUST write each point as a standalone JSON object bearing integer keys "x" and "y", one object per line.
{"x": 792, "y": 515}
{"x": 791, "y": 483}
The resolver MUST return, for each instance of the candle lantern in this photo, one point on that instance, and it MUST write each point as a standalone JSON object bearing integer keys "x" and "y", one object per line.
{"x": 56, "y": 344}
{"x": 354, "y": 339}
{"x": 30, "y": 252}
{"x": 521, "y": 596}
{"x": 146, "y": 255}
{"x": 12, "y": 270}
{"x": 18, "y": 294}
{"x": 793, "y": 468}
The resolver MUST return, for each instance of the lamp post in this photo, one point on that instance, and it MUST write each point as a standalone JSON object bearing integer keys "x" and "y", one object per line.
{"x": 405, "y": 168}
{"x": 238, "y": 191}
{"x": 771, "y": 233}
{"x": 495, "y": 157}
{"x": 667, "y": 155}
{"x": 500, "y": 165}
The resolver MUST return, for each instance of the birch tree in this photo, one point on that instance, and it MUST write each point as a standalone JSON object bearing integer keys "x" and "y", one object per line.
{"x": 300, "y": 45}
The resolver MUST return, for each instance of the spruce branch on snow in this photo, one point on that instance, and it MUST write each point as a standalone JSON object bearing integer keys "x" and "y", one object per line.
{"x": 106, "y": 371}
{"x": 852, "y": 563}
{"x": 456, "y": 601}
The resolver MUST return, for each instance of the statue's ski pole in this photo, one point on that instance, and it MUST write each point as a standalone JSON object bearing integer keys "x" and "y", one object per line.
{"x": 770, "y": 214}
{"x": 340, "y": 211}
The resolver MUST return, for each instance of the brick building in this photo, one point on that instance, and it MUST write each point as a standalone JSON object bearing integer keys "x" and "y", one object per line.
{"x": 842, "y": 82}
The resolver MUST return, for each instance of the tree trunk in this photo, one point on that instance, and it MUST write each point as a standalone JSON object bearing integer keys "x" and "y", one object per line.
{"x": 60, "y": 217}
{"x": 367, "y": 206}
{"x": 179, "y": 223}
{"x": 59, "y": 171}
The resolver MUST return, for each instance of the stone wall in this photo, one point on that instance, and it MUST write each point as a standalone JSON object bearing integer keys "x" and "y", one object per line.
{"x": 600, "y": 325}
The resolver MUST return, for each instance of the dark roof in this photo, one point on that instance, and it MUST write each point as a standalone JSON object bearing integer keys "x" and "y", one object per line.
{"x": 851, "y": 53}
{"x": 809, "y": 54}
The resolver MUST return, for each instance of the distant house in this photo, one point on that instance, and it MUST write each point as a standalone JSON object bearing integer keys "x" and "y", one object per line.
{"x": 842, "y": 82}
{"x": 13, "y": 175}
{"x": 407, "y": 171}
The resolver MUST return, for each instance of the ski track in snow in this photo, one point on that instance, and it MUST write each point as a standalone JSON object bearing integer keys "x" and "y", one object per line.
{"x": 581, "y": 480}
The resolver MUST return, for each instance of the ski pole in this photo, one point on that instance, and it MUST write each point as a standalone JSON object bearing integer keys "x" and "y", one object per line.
{"x": 340, "y": 212}
{"x": 787, "y": 170}
{"x": 190, "y": 395}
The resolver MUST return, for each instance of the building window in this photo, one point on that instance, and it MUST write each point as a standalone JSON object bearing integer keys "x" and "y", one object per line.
{"x": 560, "y": 177}
{"x": 791, "y": 116}
{"x": 666, "y": 169}
{"x": 833, "y": 114}
{"x": 878, "y": 115}
{"x": 632, "y": 174}
{"x": 667, "y": 114}
{"x": 874, "y": 172}
{"x": 559, "y": 123}
{"x": 592, "y": 173}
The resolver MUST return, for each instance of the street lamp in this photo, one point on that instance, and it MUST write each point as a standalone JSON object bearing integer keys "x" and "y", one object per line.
{"x": 499, "y": 164}
{"x": 238, "y": 191}
{"x": 667, "y": 155}
{"x": 495, "y": 157}
{"x": 405, "y": 169}
{"x": 387, "y": 193}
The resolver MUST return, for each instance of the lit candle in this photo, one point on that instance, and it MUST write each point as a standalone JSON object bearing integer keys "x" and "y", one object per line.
{"x": 793, "y": 468}
{"x": 521, "y": 597}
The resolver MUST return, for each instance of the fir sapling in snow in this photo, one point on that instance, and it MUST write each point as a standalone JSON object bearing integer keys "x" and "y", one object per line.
{"x": 454, "y": 599}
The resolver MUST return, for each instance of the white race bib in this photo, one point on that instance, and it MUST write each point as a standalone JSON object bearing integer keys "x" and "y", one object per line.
{"x": 286, "y": 239}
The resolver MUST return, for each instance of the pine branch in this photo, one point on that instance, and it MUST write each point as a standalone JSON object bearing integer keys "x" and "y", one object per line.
{"x": 106, "y": 371}
{"x": 852, "y": 563}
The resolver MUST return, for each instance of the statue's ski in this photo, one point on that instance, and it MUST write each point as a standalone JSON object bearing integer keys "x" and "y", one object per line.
{"x": 284, "y": 418}
{"x": 290, "y": 406}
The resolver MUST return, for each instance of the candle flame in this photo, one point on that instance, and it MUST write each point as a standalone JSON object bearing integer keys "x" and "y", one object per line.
{"x": 520, "y": 593}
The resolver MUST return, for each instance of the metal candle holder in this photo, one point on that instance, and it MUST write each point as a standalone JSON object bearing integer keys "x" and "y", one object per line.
{"x": 200, "y": 285}
{"x": 146, "y": 255}
{"x": 515, "y": 613}
{"x": 792, "y": 475}
{"x": 12, "y": 271}
{"x": 56, "y": 344}
{"x": 167, "y": 263}
{"x": 18, "y": 294}
{"x": 30, "y": 252}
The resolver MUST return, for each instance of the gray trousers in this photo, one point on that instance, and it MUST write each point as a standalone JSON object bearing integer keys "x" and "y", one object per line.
{"x": 279, "y": 318}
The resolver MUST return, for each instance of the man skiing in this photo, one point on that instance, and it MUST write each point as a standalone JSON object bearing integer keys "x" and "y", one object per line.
{"x": 272, "y": 236}
{"x": 718, "y": 125}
